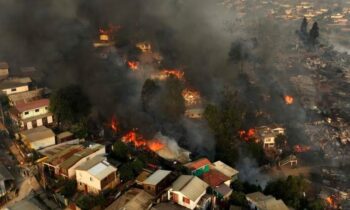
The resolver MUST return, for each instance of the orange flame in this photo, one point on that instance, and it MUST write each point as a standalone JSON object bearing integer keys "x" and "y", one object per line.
{"x": 106, "y": 33}
{"x": 191, "y": 97}
{"x": 247, "y": 135}
{"x": 139, "y": 142}
{"x": 114, "y": 124}
{"x": 288, "y": 99}
{"x": 133, "y": 65}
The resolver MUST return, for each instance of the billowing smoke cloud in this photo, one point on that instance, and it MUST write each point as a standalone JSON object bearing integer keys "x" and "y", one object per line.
{"x": 196, "y": 36}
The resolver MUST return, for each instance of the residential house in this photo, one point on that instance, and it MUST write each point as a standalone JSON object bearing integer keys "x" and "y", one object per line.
{"x": 157, "y": 182}
{"x": 4, "y": 70}
{"x": 259, "y": 201}
{"x": 63, "y": 159}
{"x": 269, "y": 141}
{"x": 15, "y": 85}
{"x": 198, "y": 167}
{"x": 32, "y": 114}
{"x": 7, "y": 181}
{"x": 218, "y": 182}
{"x": 38, "y": 138}
{"x": 187, "y": 191}
{"x": 133, "y": 199}
{"x": 226, "y": 170}
{"x": 96, "y": 176}
{"x": 25, "y": 97}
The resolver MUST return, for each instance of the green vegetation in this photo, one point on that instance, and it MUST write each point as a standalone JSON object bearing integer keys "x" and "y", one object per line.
{"x": 70, "y": 105}
{"x": 225, "y": 120}
{"x": 86, "y": 202}
{"x": 4, "y": 101}
{"x": 69, "y": 188}
{"x": 120, "y": 151}
{"x": 291, "y": 191}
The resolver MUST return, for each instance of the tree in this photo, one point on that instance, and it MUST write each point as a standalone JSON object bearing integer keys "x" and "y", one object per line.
{"x": 225, "y": 120}
{"x": 238, "y": 198}
{"x": 238, "y": 54}
{"x": 303, "y": 27}
{"x": 70, "y": 105}
{"x": 171, "y": 102}
{"x": 314, "y": 33}
{"x": 149, "y": 90}
{"x": 289, "y": 190}
{"x": 80, "y": 129}
{"x": 4, "y": 101}
{"x": 281, "y": 141}
{"x": 137, "y": 166}
{"x": 120, "y": 151}
{"x": 69, "y": 188}
{"x": 317, "y": 204}
{"x": 126, "y": 172}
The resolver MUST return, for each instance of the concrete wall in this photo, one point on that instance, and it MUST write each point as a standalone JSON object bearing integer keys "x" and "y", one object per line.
{"x": 34, "y": 112}
{"x": 42, "y": 143}
{"x": 20, "y": 89}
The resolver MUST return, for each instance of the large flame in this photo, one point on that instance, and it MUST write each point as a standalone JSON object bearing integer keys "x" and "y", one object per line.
{"x": 133, "y": 65}
{"x": 247, "y": 135}
{"x": 288, "y": 99}
{"x": 139, "y": 142}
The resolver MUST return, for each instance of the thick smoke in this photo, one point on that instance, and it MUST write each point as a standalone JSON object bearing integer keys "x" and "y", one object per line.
{"x": 196, "y": 36}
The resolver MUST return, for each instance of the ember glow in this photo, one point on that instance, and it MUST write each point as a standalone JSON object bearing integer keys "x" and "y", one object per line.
{"x": 301, "y": 148}
{"x": 114, "y": 124}
{"x": 288, "y": 99}
{"x": 176, "y": 73}
{"x": 133, "y": 65}
{"x": 247, "y": 135}
{"x": 144, "y": 46}
{"x": 191, "y": 97}
{"x": 139, "y": 142}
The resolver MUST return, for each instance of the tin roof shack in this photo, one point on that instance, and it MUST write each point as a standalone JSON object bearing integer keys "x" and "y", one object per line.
{"x": 4, "y": 70}
{"x": 157, "y": 182}
{"x": 133, "y": 199}
{"x": 187, "y": 191}
{"x": 96, "y": 176}
{"x": 63, "y": 159}
{"x": 259, "y": 201}
{"x": 32, "y": 114}
{"x": 64, "y": 136}
{"x": 226, "y": 170}
{"x": 14, "y": 85}
{"x": 38, "y": 138}
{"x": 7, "y": 181}
{"x": 31, "y": 72}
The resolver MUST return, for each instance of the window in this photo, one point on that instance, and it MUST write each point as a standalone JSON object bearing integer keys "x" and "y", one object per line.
{"x": 26, "y": 113}
{"x": 37, "y": 110}
{"x": 46, "y": 108}
{"x": 13, "y": 89}
{"x": 90, "y": 178}
{"x": 186, "y": 200}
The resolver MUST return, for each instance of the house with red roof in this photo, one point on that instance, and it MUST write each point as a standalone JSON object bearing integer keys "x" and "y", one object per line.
{"x": 32, "y": 114}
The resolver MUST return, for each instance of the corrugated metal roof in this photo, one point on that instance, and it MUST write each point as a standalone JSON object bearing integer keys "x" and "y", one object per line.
{"x": 37, "y": 134}
{"x": 191, "y": 186}
{"x": 5, "y": 174}
{"x": 157, "y": 177}
{"x": 225, "y": 169}
{"x": 4, "y": 65}
{"x": 198, "y": 163}
{"x": 98, "y": 167}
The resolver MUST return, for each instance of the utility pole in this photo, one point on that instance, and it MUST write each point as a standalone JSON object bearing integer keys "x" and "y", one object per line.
{"x": 2, "y": 115}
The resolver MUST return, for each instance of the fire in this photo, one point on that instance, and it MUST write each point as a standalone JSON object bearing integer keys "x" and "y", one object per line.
{"x": 144, "y": 46}
{"x": 288, "y": 99}
{"x": 155, "y": 145}
{"x": 329, "y": 200}
{"x": 133, "y": 65}
{"x": 106, "y": 33}
{"x": 114, "y": 124}
{"x": 301, "y": 148}
{"x": 139, "y": 142}
{"x": 247, "y": 135}
{"x": 191, "y": 97}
